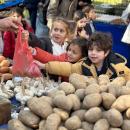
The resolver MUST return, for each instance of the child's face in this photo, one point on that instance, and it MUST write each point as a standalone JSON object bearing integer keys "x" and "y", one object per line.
{"x": 17, "y": 16}
{"x": 92, "y": 14}
{"x": 74, "y": 53}
{"x": 96, "y": 55}
{"x": 59, "y": 32}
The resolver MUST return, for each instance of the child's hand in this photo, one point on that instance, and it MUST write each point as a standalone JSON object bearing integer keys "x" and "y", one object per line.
{"x": 32, "y": 50}
{"x": 25, "y": 35}
{"x": 40, "y": 65}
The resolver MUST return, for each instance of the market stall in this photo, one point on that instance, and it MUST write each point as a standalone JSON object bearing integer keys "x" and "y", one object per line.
{"x": 9, "y": 3}
{"x": 104, "y": 24}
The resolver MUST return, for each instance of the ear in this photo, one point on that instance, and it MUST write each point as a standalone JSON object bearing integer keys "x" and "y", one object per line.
{"x": 106, "y": 54}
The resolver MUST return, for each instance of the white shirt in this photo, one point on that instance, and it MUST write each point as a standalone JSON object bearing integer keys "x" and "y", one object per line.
{"x": 58, "y": 49}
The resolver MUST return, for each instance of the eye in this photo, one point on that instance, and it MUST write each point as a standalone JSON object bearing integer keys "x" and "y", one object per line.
{"x": 62, "y": 31}
{"x": 56, "y": 29}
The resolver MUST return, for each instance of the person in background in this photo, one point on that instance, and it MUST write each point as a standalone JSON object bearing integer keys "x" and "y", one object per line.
{"x": 31, "y": 5}
{"x": 101, "y": 60}
{"x": 90, "y": 16}
{"x": 61, "y": 8}
{"x": 9, "y": 36}
{"x": 41, "y": 21}
{"x": 44, "y": 5}
{"x": 83, "y": 3}
{"x": 80, "y": 19}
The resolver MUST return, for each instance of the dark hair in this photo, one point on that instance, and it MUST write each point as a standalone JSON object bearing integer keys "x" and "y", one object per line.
{"x": 101, "y": 40}
{"x": 17, "y": 10}
{"x": 88, "y": 8}
{"x": 82, "y": 43}
{"x": 78, "y": 15}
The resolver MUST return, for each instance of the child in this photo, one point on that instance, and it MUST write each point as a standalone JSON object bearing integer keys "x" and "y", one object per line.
{"x": 101, "y": 60}
{"x": 9, "y": 37}
{"x": 81, "y": 21}
{"x": 90, "y": 15}
{"x": 76, "y": 50}
{"x": 55, "y": 44}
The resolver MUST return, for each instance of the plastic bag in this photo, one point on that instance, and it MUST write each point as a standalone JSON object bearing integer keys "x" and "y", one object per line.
{"x": 23, "y": 61}
{"x": 126, "y": 36}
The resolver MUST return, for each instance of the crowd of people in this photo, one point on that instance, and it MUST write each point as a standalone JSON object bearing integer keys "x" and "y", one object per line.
{"x": 68, "y": 42}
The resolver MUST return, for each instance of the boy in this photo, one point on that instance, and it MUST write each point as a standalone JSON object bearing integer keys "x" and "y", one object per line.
{"x": 101, "y": 60}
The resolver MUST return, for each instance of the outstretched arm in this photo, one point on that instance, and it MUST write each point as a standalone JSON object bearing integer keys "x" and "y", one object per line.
{"x": 9, "y": 24}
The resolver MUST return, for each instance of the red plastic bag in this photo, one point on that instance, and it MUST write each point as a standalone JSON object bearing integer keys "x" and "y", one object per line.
{"x": 23, "y": 61}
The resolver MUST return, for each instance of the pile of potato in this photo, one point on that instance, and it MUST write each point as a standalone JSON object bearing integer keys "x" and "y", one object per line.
{"x": 5, "y": 70}
{"x": 81, "y": 104}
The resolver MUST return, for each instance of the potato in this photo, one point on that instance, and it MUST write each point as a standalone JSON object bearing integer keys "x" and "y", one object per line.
{"x": 53, "y": 121}
{"x": 2, "y": 58}
{"x": 4, "y": 69}
{"x": 68, "y": 88}
{"x": 128, "y": 113}
{"x": 47, "y": 99}
{"x": 80, "y": 113}
{"x": 128, "y": 83}
{"x": 114, "y": 90}
{"x": 101, "y": 124}
{"x": 80, "y": 93}
{"x": 122, "y": 103}
{"x": 75, "y": 100}
{"x": 124, "y": 90}
{"x": 55, "y": 92}
{"x": 103, "y": 79}
{"x": 114, "y": 129}
{"x": 89, "y": 100}
{"x": 73, "y": 123}
{"x": 107, "y": 100}
{"x": 114, "y": 117}
{"x": 5, "y": 63}
{"x": 126, "y": 125}
{"x": 78, "y": 81}
{"x": 86, "y": 126}
{"x": 118, "y": 82}
{"x": 16, "y": 124}
{"x": 29, "y": 118}
{"x": 92, "y": 88}
{"x": 93, "y": 115}
{"x": 62, "y": 128}
{"x": 42, "y": 125}
{"x": 103, "y": 88}
{"x": 63, "y": 102}
{"x": 91, "y": 80}
{"x": 39, "y": 107}
{"x": 63, "y": 114}
{"x": 6, "y": 76}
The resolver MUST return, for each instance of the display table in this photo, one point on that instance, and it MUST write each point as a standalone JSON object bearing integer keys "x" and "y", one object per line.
{"x": 117, "y": 32}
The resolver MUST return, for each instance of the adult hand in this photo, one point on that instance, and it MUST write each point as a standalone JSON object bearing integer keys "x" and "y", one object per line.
{"x": 9, "y": 24}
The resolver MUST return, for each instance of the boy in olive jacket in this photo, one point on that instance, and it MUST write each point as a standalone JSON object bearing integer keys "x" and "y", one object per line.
{"x": 100, "y": 60}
